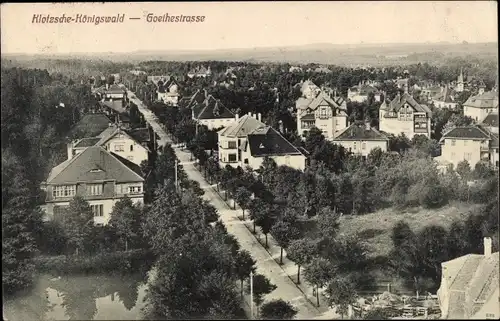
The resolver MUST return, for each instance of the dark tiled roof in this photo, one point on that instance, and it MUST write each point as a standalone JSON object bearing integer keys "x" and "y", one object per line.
{"x": 87, "y": 142}
{"x": 486, "y": 100}
{"x": 211, "y": 108}
{"x": 95, "y": 164}
{"x": 90, "y": 125}
{"x": 197, "y": 98}
{"x": 309, "y": 116}
{"x": 399, "y": 101}
{"x": 491, "y": 120}
{"x": 469, "y": 132}
{"x": 266, "y": 141}
{"x": 359, "y": 131}
{"x": 116, "y": 105}
{"x": 140, "y": 134}
{"x": 115, "y": 89}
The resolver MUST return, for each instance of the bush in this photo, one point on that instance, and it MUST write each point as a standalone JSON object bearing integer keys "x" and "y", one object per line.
{"x": 122, "y": 262}
{"x": 51, "y": 238}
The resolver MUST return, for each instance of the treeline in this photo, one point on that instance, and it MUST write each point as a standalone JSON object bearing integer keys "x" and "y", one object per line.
{"x": 199, "y": 264}
{"x": 37, "y": 112}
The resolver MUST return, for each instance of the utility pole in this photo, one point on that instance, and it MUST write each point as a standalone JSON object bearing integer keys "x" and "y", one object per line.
{"x": 251, "y": 294}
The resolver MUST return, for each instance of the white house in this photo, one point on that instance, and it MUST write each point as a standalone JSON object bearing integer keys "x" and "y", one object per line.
{"x": 404, "y": 115}
{"x": 212, "y": 113}
{"x": 361, "y": 92}
{"x": 101, "y": 177}
{"x": 328, "y": 114}
{"x": 445, "y": 98}
{"x": 469, "y": 286}
{"x": 479, "y": 106}
{"x": 116, "y": 140}
{"x": 361, "y": 139}
{"x": 168, "y": 91}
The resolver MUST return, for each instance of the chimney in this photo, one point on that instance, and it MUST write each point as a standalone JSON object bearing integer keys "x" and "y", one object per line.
{"x": 237, "y": 117}
{"x": 107, "y": 86}
{"x": 259, "y": 117}
{"x": 70, "y": 150}
{"x": 367, "y": 125}
{"x": 487, "y": 246}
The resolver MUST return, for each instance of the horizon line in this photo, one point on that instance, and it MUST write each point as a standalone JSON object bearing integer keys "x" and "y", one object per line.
{"x": 250, "y": 48}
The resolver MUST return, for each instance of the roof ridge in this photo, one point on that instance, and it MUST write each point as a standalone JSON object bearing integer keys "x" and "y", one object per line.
{"x": 115, "y": 156}
{"x": 72, "y": 160}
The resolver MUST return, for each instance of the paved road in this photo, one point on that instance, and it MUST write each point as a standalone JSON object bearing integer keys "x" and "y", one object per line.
{"x": 266, "y": 265}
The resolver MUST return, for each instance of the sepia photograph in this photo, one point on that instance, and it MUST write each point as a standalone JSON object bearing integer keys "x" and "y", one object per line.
{"x": 274, "y": 160}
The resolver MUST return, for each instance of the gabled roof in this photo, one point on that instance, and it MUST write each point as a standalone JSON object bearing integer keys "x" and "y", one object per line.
{"x": 445, "y": 96}
{"x": 472, "y": 281}
{"x": 211, "y": 108}
{"x": 242, "y": 127}
{"x": 360, "y": 131}
{"x": 141, "y": 135}
{"x": 86, "y": 142}
{"x": 486, "y": 100}
{"x": 491, "y": 120}
{"x": 468, "y": 132}
{"x": 266, "y": 141}
{"x": 95, "y": 164}
{"x": 400, "y": 100}
{"x": 321, "y": 99}
{"x": 116, "y": 105}
{"x": 307, "y": 84}
{"x": 90, "y": 125}
{"x": 197, "y": 98}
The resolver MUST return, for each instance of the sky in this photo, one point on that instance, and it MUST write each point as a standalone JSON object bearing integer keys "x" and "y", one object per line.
{"x": 229, "y": 25}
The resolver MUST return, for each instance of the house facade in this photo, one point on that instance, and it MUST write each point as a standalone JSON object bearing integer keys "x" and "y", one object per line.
{"x": 99, "y": 176}
{"x": 360, "y": 138}
{"x": 445, "y": 98}
{"x": 328, "y": 114}
{"x": 479, "y": 106}
{"x": 471, "y": 143}
{"x": 404, "y": 115}
{"x": 267, "y": 142}
{"x": 114, "y": 139}
{"x": 212, "y": 113}
{"x": 115, "y": 92}
{"x": 490, "y": 122}
{"x": 200, "y": 71}
{"x": 168, "y": 91}
{"x": 469, "y": 286}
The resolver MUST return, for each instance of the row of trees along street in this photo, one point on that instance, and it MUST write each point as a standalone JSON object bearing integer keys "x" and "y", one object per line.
{"x": 199, "y": 264}
{"x": 284, "y": 202}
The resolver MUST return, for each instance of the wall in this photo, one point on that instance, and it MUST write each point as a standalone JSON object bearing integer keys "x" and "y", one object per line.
{"x": 138, "y": 153}
{"x": 478, "y": 114}
{"x": 294, "y": 161}
{"x": 395, "y": 126}
{"x": 442, "y": 104}
{"x": 490, "y": 310}
{"x": 357, "y": 146}
{"x": 224, "y": 151}
{"x": 456, "y": 154}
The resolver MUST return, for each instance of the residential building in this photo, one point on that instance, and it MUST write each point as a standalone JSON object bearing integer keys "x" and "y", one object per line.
{"x": 471, "y": 143}
{"x": 200, "y": 72}
{"x": 445, "y": 99}
{"x": 404, "y": 115}
{"x": 137, "y": 72}
{"x": 118, "y": 140}
{"x": 429, "y": 92}
{"x": 479, "y": 106}
{"x": 469, "y": 286}
{"x": 212, "y": 113}
{"x": 168, "y": 91}
{"x": 247, "y": 141}
{"x": 90, "y": 125}
{"x": 402, "y": 84}
{"x": 323, "y": 70}
{"x": 361, "y": 138}
{"x": 197, "y": 98}
{"x": 361, "y": 92}
{"x": 267, "y": 142}
{"x": 308, "y": 89}
{"x": 490, "y": 122}
{"x": 116, "y": 77}
{"x": 295, "y": 69}
{"x": 328, "y": 114}
{"x": 99, "y": 176}
{"x": 155, "y": 79}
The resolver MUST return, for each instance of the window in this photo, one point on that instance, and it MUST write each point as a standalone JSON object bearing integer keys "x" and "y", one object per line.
{"x": 94, "y": 189}
{"x": 490, "y": 316}
{"x": 119, "y": 148}
{"x": 232, "y": 158}
{"x": 231, "y": 145}
{"x": 246, "y": 161}
{"x": 135, "y": 189}
{"x": 119, "y": 189}
{"x": 64, "y": 191}
{"x": 131, "y": 148}
{"x": 354, "y": 146}
{"x": 323, "y": 112}
{"x": 97, "y": 209}
{"x": 363, "y": 145}
{"x": 468, "y": 156}
{"x": 453, "y": 142}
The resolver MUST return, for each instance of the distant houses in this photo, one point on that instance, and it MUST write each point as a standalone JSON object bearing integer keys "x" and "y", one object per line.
{"x": 479, "y": 106}
{"x": 200, "y": 72}
{"x": 212, "y": 113}
{"x": 361, "y": 93}
{"x": 168, "y": 91}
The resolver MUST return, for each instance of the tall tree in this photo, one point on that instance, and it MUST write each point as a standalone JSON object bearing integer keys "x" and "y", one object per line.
{"x": 341, "y": 294}
{"x": 318, "y": 272}
{"x": 284, "y": 232}
{"x": 244, "y": 265}
{"x": 125, "y": 219}
{"x": 77, "y": 220}
{"x": 302, "y": 251}
{"x": 278, "y": 310}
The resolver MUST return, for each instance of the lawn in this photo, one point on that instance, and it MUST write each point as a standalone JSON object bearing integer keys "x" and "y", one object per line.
{"x": 375, "y": 228}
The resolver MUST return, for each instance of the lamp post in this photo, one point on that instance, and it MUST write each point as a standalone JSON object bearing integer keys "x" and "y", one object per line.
{"x": 251, "y": 294}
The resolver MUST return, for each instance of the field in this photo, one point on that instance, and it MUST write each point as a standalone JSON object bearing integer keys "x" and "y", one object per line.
{"x": 375, "y": 228}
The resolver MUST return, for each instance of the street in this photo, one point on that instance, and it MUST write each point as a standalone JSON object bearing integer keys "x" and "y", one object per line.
{"x": 266, "y": 265}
